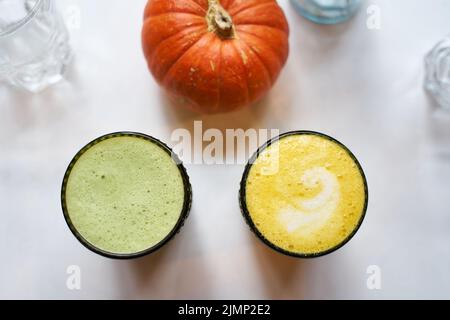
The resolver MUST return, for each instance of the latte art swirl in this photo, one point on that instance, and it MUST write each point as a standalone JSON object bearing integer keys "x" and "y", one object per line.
{"x": 313, "y": 213}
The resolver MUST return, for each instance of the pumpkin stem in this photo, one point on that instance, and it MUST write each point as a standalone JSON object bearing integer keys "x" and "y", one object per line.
{"x": 219, "y": 20}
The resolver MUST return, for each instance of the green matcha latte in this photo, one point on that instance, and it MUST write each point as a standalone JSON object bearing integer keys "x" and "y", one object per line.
{"x": 124, "y": 194}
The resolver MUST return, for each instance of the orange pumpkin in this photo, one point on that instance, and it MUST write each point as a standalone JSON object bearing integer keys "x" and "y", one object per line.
{"x": 215, "y": 55}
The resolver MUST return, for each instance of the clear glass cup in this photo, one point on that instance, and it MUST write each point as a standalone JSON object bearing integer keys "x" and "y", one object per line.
{"x": 327, "y": 11}
{"x": 34, "y": 44}
{"x": 437, "y": 78}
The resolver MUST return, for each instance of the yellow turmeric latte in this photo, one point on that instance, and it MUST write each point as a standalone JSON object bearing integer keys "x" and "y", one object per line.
{"x": 305, "y": 194}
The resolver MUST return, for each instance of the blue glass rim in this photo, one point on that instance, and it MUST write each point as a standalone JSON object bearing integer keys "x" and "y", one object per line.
{"x": 350, "y": 11}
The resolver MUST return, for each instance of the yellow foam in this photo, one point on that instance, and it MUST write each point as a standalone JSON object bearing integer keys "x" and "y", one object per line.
{"x": 305, "y": 194}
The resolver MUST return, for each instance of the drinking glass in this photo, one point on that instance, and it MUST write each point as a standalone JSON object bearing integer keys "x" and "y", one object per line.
{"x": 34, "y": 44}
{"x": 326, "y": 11}
{"x": 437, "y": 79}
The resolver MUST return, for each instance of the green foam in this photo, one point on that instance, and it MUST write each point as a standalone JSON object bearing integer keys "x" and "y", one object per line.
{"x": 125, "y": 195}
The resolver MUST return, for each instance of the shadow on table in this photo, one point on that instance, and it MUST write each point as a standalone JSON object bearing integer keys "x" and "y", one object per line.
{"x": 325, "y": 36}
{"x": 42, "y": 108}
{"x": 172, "y": 272}
{"x": 274, "y": 106}
{"x": 281, "y": 275}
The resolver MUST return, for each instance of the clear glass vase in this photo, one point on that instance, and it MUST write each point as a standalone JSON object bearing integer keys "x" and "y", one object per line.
{"x": 327, "y": 11}
{"x": 437, "y": 78}
{"x": 34, "y": 44}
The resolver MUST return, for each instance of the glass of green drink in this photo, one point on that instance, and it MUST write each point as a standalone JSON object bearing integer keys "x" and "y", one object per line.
{"x": 125, "y": 195}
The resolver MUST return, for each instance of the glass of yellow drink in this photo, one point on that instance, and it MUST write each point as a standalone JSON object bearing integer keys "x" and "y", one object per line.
{"x": 304, "y": 194}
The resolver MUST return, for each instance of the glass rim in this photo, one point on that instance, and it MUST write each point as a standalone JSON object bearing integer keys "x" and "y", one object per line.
{"x": 349, "y": 5}
{"x": 22, "y": 22}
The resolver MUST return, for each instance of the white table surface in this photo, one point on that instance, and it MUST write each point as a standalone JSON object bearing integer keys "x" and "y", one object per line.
{"x": 363, "y": 87}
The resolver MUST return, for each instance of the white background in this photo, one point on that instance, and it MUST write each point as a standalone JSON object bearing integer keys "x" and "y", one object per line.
{"x": 363, "y": 87}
